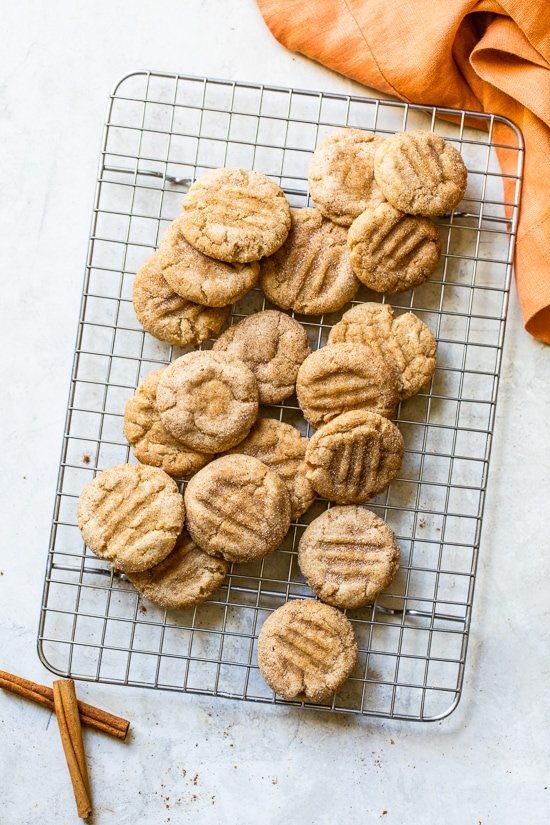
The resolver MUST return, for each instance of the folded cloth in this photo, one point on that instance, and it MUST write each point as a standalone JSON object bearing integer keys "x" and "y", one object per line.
{"x": 471, "y": 54}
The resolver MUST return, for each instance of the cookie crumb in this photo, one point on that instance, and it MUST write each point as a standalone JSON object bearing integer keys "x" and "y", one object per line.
{"x": 86, "y": 458}
{"x": 195, "y": 779}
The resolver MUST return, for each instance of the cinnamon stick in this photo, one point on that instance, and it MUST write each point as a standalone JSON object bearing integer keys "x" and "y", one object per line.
{"x": 68, "y": 719}
{"x": 89, "y": 715}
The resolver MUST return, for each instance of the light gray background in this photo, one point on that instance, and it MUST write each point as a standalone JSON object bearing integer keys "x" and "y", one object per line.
{"x": 191, "y": 758}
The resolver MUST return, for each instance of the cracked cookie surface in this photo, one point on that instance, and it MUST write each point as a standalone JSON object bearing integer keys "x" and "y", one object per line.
{"x": 348, "y": 556}
{"x": 341, "y": 175}
{"x": 281, "y": 448}
{"x": 354, "y": 457}
{"x": 343, "y": 377}
{"x": 273, "y": 345}
{"x": 237, "y": 508}
{"x": 306, "y": 650}
{"x": 405, "y": 342}
{"x": 420, "y": 173}
{"x": 199, "y": 278}
{"x": 208, "y": 400}
{"x": 186, "y": 577}
{"x": 131, "y": 515}
{"x": 150, "y": 440}
{"x": 311, "y": 273}
{"x": 235, "y": 215}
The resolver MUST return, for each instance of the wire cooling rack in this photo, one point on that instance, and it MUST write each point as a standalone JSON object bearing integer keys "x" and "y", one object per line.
{"x": 161, "y": 130}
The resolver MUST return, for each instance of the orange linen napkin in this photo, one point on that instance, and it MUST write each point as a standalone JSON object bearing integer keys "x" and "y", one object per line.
{"x": 472, "y": 54}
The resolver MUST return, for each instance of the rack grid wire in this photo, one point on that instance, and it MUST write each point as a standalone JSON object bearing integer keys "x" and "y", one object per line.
{"x": 162, "y": 129}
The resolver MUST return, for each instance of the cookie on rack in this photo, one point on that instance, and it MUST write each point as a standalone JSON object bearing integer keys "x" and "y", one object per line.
{"x": 354, "y": 457}
{"x": 282, "y": 448}
{"x": 390, "y": 251}
{"x": 348, "y": 555}
{"x": 199, "y": 278}
{"x": 235, "y": 215}
{"x": 341, "y": 175}
{"x": 343, "y": 377}
{"x": 186, "y": 577}
{"x": 420, "y": 173}
{"x": 237, "y": 508}
{"x": 273, "y": 345}
{"x": 306, "y": 650}
{"x": 208, "y": 400}
{"x": 311, "y": 273}
{"x": 150, "y": 440}
{"x": 131, "y": 515}
{"x": 406, "y": 343}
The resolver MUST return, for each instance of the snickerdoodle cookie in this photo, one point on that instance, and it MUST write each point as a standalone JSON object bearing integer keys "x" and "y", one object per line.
{"x": 306, "y": 650}
{"x": 186, "y": 577}
{"x": 354, "y": 456}
{"x": 420, "y": 173}
{"x": 208, "y": 400}
{"x": 235, "y": 215}
{"x": 348, "y": 556}
{"x": 199, "y": 278}
{"x": 166, "y": 315}
{"x": 131, "y": 515}
{"x": 273, "y": 345}
{"x": 311, "y": 273}
{"x": 150, "y": 441}
{"x": 281, "y": 448}
{"x": 237, "y": 508}
{"x": 406, "y": 343}
{"x": 341, "y": 175}
{"x": 391, "y": 251}
{"x": 343, "y": 377}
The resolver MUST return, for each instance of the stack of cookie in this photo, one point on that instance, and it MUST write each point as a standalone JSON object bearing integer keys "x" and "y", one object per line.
{"x": 198, "y": 417}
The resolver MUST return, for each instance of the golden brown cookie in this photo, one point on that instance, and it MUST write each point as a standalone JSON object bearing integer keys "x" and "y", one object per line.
{"x": 281, "y": 448}
{"x": 390, "y": 251}
{"x": 199, "y": 278}
{"x": 406, "y": 343}
{"x": 343, "y": 377}
{"x": 167, "y": 315}
{"x": 306, "y": 650}
{"x": 208, "y": 400}
{"x": 131, "y": 515}
{"x": 273, "y": 345}
{"x": 150, "y": 441}
{"x": 341, "y": 175}
{"x": 311, "y": 273}
{"x": 237, "y": 508}
{"x": 354, "y": 456}
{"x": 348, "y": 556}
{"x": 420, "y": 173}
{"x": 235, "y": 215}
{"x": 186, "y": 577}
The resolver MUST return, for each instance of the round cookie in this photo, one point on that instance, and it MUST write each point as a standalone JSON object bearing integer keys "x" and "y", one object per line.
{"x": 166, "y": 315}
{"x": 341, "y": 175}
{"x": 420, "y": 173}
{"x": 273, "y": 345}
{"x": 150, "y": 441}
{"x": 390, "y": 251}
{"x": 348, "y": 556}
{"x": 281, "y": 448}
{"x": 200, "y": 278}
{"x": 237, "y": 508}
{"x": 207, "y": 400}
{"x": 406, "y": 343}
{"x": 306, "y": 650}
{"x": 311, "y": 273}
{"x": 186, "y": 577}
{"x": 344, "y": 377}
{"x": 131, "y": 515}
{"x": 235, "y": 215}
{"x": 354, "y": 457}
